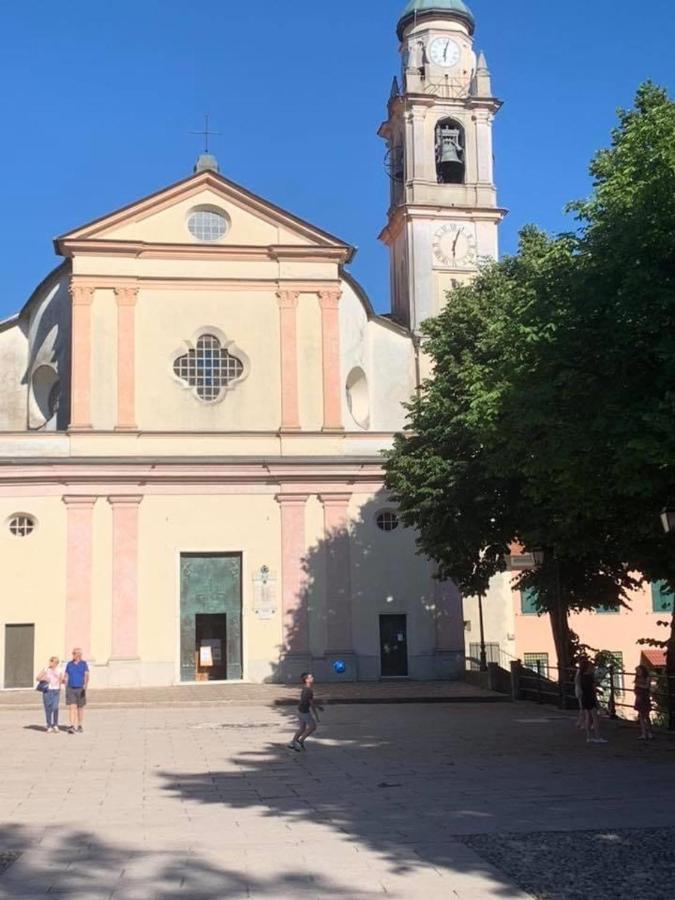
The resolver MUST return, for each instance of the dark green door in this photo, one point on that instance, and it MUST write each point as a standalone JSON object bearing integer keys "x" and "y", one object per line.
{"x": 19, "y": 656}
{"x": 210, "y": 616}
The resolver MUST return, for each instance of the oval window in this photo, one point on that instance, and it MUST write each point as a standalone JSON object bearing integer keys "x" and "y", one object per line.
{"x": 208, "y": 224}
{"x": 358, "y": 401}
{"x": 387, "y": 520}
{"x": 21, "y": 524}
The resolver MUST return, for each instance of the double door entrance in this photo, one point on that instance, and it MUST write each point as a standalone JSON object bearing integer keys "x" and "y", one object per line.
{"x": 210, "y": 617}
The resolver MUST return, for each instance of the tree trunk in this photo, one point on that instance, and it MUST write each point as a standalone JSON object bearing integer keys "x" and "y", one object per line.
{"x": 561, "y": 639}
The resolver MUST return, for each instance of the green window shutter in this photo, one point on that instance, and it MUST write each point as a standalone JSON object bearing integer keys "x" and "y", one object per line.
{"x": 528, "y": 602}
{"x": 662, "y": 598}
{"x": 605, "y": 610}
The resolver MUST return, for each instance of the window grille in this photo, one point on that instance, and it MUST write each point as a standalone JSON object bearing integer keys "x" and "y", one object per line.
{"x": 492, "y": 652}
{"x": 531, "y": 659}
{"x": 209, "y": 368}
{"x": 387, "y": 520}
{"x": 21, "y": 525}
{"x": 207, "y": 225}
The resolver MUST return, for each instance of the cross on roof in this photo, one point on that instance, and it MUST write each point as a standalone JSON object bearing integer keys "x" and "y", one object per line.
{"x": 206, "y": 133}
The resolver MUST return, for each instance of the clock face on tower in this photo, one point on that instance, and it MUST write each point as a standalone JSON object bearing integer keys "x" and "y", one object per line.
{"x": 455, "y": 245}
{"x": 444, "y": 52}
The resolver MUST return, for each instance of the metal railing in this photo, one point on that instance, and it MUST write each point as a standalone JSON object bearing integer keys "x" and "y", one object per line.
{"x": 614, "y": 695}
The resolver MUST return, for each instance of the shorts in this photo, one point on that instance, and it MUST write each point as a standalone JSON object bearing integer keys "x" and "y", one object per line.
{"x": 589, "y": 703}
{"x": 306, "y": 719}
{"x": 76, "y": 697}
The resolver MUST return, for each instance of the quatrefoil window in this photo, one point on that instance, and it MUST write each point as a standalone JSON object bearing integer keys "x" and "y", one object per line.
{"x": 210, "y": 369}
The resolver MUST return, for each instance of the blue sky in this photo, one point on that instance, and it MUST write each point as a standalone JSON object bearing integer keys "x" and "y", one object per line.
{"x": 98, "y": 100}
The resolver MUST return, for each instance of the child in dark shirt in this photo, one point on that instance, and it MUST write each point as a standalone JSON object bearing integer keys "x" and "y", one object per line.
{"x": 308, "y": 716}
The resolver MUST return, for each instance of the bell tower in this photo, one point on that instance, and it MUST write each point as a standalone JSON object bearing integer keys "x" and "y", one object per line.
{"x": 443, "y": 216}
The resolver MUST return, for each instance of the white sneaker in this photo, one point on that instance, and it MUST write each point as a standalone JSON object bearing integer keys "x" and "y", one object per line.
{"x": 598, "y": 740}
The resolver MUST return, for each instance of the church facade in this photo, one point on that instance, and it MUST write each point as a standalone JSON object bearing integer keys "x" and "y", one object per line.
{"x": 194, "y": 406}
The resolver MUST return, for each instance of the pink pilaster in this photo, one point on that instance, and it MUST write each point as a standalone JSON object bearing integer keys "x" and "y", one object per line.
{"x": 329, "y": 301}
{"x": 79, "y": 557}
{"x": 125, "y": 577}
{"x": 126, "y": 357}
{"x": 288, "y": 305}
{"x": 338, "y": 573}
{"x": 294, "y": 601}
{"x": 80, "y": 412}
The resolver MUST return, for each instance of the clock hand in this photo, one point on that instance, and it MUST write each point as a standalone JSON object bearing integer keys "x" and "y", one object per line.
{"x": 454, "y": 245}
{"x": 445, "y": 52}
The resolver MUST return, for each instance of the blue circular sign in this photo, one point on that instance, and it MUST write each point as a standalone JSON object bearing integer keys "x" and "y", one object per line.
{"x": 339, "y": 667}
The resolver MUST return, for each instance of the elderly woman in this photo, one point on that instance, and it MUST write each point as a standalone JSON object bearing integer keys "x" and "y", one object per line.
{"x": 52, "y": 679}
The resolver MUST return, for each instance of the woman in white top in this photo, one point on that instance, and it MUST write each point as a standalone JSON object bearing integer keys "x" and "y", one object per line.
{"x": 53, "y": 677}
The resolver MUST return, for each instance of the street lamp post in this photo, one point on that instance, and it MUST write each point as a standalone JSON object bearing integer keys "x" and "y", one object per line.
{"x": 668, "y": 523}
{"x": 483, "y": 654}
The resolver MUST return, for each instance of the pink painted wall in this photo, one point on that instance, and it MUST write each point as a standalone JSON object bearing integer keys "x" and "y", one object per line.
{"x": 617, "y": 632}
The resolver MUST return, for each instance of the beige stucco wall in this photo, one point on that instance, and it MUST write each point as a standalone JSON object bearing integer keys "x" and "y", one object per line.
{"x": 166, "y": 319}
{"x": 13, "y": 389}
{"x": 170, "y": 224}
{"x": 248, "y": 524}
{"x": 34, "y": 575}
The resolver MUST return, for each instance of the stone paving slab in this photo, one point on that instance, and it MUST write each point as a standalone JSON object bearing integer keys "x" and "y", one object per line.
{"x": 208, "y": 802}
{"x": 239, "y": 694}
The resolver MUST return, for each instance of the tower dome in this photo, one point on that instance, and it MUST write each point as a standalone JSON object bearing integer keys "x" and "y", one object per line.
{"x": 423, "y": 8}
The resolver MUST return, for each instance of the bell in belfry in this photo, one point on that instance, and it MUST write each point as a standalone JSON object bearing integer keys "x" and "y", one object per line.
{"x": 449, "y": 154}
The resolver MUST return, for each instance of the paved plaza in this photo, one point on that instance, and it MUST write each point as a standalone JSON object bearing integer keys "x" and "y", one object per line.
{"x": 467, "y": 801}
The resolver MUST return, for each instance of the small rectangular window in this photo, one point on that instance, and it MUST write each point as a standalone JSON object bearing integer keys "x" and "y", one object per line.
{"x": 531, "y": 659}
{"x": 528, "y": 602}
{"x": 662, "y": 598}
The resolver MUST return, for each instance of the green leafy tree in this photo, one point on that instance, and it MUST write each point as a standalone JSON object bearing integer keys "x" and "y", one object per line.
{"x": 549, "y": 417}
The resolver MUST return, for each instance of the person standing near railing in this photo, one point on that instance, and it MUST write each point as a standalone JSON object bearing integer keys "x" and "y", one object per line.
{"x": 589, "y": 702}
{"x": 643, "y": 702}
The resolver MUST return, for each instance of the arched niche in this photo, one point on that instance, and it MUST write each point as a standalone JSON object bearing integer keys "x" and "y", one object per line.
{"x": 450, "y": 152}
{"x": 358, "y": 399}
{"x": 44, "y": 396}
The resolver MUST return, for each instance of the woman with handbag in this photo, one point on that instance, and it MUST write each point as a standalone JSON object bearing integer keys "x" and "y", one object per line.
{"x": 49, "y": 684}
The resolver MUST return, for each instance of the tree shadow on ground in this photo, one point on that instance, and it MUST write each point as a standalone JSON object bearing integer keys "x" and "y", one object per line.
{"x": 354, "y": 575}
{"x": 358, "y": 785}
{"x": 79, "y": 864}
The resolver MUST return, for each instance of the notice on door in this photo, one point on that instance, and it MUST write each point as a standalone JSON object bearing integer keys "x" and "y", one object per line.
{"x": 210, "y": 652}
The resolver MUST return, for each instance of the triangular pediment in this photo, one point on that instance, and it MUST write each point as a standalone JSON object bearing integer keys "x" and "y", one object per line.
{"x": 162, "y": 219}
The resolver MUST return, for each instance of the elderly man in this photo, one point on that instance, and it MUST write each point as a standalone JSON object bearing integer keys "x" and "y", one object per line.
{"x": 76, "y": 680}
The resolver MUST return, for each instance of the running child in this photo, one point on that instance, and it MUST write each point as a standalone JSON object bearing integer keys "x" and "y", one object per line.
{"x": 308, "y": 715}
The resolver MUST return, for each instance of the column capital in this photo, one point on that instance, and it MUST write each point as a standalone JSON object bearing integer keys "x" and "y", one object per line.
{"x": 126, "y": 295}
{"x": 82, "y": 294}
{"x": 79, "y": 500}
{"x": 340, "y": 500}
{"x": 125, "y": 500}
{"x": 330, "y": 298}
{"x": 287, "y": 499}
{"x": 287, "y": 299}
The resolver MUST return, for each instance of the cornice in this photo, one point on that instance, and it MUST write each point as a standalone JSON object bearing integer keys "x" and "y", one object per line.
{"x": 141, "y": 475}
{"x": 232, "y": 252}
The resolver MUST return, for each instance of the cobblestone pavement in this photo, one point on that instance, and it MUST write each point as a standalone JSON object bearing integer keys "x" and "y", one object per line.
{"x": 390, "y": 801}
{"x": 614, "y": 864}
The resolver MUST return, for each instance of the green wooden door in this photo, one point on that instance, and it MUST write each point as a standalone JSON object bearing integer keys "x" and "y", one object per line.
{"x": 210, "y": 617}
